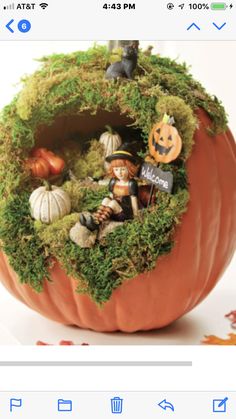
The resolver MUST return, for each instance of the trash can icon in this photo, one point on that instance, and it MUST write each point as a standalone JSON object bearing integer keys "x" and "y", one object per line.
{"x": 116, "y": 405}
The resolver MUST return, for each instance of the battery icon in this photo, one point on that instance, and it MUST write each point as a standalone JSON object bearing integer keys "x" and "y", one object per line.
{"x": 218, "y": 6}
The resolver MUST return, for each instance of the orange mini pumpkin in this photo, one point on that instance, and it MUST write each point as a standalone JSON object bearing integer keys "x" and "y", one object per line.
{"x": 38, "y": 167}
{"x": 56, "y": 163}
{"x": 164, "y": 141}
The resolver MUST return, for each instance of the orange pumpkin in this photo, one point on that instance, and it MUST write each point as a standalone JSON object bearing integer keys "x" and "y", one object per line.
{"x": 205, "y": 243}
{"x": 56, "y": 163}
{"x": 38, "y": 167}
{"x": 38, "y": 152}
{"x": 164, "y": 142}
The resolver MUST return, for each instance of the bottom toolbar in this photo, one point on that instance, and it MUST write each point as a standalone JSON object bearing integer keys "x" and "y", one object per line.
{"x": 86, "y": 405}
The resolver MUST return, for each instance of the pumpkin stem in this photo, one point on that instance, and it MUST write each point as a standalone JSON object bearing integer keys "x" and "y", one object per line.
{"x": 48, "y": 186}
{"x": 110, "y": 129}
{"x": 167, "y": 119}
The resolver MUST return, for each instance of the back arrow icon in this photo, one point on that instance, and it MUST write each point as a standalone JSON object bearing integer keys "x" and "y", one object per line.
{"x": 166, "y": 405}
{"x": 8, "y": 25}
{"x": 195, "y": 25}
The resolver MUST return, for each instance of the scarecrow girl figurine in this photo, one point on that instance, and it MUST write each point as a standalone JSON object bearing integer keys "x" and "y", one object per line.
{"x": 122, "y": 203}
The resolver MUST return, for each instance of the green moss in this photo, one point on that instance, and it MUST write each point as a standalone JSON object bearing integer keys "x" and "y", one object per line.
{"x": 57, "y": 233}
{"x": 25, "y": 251}
{"x": 70, "y": 151}
{"x": 21, "y": 129}
{"x": 91, "y": 163}
{"x": 84, "y": 198}
{"x": 131, "y": 249}
{"x": 68, "y": 85}
{"x": 77, "y": 81}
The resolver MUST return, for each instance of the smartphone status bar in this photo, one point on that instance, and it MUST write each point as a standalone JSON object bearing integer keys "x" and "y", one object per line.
{"x": 100, "y": 19}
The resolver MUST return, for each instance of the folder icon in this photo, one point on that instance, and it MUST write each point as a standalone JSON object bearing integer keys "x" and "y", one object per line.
{"x": 64, "y": 405}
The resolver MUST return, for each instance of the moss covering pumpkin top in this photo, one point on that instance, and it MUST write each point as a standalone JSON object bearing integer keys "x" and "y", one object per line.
{"x": 68, "y": 85}
{"x": 73, "y": 83}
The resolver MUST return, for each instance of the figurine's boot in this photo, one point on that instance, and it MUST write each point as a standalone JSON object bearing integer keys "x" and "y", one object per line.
{"x": 93, "y": 221}
{"x": 89, "y": 222}
{"x": 82, "y": 219}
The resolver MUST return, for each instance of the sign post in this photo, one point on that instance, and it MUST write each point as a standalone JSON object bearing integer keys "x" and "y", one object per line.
{"x": 157, "y": 178}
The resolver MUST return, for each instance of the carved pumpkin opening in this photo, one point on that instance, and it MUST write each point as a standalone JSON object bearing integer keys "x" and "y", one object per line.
{"x": 83, "y": 126}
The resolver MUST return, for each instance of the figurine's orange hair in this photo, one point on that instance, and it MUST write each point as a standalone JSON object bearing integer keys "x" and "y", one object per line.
{"x": 132, "y": 168}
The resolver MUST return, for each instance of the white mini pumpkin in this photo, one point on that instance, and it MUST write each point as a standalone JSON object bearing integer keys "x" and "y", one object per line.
{"x": 111, "y": 141}
{"x": 49, "y": 204}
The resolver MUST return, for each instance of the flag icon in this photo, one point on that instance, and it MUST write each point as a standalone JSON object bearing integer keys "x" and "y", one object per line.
{"x": 15, "y": 403}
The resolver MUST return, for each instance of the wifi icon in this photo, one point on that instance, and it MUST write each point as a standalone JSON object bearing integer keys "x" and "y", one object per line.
{"x": 43, "y": 5}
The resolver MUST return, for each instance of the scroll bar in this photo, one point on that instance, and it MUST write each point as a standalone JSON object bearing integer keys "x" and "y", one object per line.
{"x": 96, "y": 364}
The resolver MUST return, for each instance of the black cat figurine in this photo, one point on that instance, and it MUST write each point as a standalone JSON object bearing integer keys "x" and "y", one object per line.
{"x": 126, "y": 66}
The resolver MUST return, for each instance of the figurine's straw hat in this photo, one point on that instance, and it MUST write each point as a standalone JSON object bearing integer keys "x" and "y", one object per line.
{"x": 122, "y": 154}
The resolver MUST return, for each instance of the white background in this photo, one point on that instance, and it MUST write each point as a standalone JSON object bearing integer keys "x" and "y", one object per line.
{"x": 214, "y": 65}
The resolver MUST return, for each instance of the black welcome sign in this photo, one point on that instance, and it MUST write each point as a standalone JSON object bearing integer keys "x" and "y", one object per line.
{"x": 152, "y": 174}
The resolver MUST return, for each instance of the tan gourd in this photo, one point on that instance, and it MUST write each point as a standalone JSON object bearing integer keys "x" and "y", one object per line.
{"x": 49, "y": 203}
{"x": 111, "y": 141}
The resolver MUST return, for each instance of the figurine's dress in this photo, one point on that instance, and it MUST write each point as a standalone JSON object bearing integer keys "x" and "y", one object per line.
{"x": 122, "y": 194}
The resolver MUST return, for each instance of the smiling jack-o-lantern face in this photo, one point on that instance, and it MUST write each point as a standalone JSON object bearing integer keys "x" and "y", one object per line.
{"x": 164, "y": 142}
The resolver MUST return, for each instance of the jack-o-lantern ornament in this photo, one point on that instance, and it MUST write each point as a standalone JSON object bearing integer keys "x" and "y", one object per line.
{"x": 164, "y": 141}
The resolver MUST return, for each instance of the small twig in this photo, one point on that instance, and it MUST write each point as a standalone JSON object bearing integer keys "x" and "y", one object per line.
{"x": 142, "y": 68}
{"x": 72, "y": 176}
